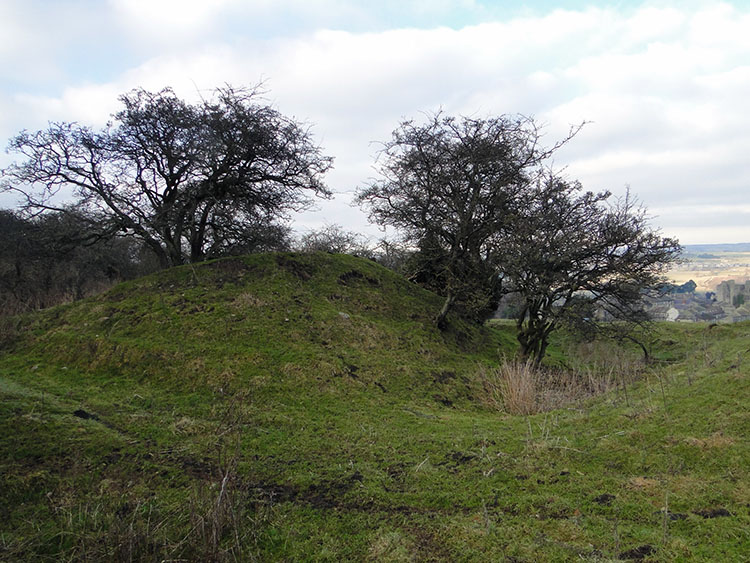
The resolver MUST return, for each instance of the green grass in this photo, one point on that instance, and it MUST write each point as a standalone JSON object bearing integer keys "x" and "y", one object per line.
{"x": 293, "y": 407}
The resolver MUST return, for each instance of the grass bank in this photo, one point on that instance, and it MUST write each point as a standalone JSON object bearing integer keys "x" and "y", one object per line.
{"x": 292, "y": 407}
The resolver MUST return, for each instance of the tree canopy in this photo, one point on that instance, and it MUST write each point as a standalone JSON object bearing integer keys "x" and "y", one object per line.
{"x": 451, "y": 187}
{"x": 49, "y": 259}
{"x": 333, "y": 238}
{"x": 479, "y": 213}
{"x": 488, "y": 218}
{"x": 578, "y": 258}
{"x": 192, "y": 181}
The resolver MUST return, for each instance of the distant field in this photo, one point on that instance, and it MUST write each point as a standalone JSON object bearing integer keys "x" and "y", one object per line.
{"x": 709, "y": 269}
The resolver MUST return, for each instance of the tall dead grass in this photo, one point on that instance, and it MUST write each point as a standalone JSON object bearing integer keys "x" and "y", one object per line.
{"x": 519, "y": 387}
{"x": 512, "y": 387}
{"x": 220, "y": 521}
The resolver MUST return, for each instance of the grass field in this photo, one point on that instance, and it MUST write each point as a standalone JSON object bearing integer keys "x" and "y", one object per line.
{"x": 303, "y": 408}
{"x": 710, "y": 269}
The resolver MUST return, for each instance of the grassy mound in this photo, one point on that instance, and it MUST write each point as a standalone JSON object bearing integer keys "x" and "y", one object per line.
{"x": 302, "y": 407}
{"x": 265, "y": 321}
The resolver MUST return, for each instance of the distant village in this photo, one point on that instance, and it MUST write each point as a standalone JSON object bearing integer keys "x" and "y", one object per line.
{"x": 730, "y": 303}
{"x": 719, "y": 296}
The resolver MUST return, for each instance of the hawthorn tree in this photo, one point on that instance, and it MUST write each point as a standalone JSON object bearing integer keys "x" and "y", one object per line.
{"x": 450, "y": 187}
{"x": 191, "y": 181}
{"x": 580, "y": 259}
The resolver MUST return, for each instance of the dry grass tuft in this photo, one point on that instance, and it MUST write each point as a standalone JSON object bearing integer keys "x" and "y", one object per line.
{"x": 248, "y": 301}
{"x": 521, "y": 388}
{"x": 716, "y": 440}
{"x": 643, "y": 484}
{"x": 513, "y": 387}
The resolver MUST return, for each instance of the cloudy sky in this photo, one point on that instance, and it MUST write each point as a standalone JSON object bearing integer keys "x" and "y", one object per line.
{"x": 664, "y": 85}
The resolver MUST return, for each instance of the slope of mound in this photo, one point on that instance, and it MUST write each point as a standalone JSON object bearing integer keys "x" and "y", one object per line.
{"x": 302, "y": 408}
{"x": 318, "y": 322}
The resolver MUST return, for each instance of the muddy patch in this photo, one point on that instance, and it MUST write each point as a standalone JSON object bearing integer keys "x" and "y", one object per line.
{"x": 85, "y": 415}
{"x": 323, "y": 495}
{"x": 298, "y": 269}
{"x": 454, "y": 460}
{"x": 713, "y": 512}
{"x": 673, "y": 516}
{"x": 443, "y": 377}
{"x": 640, "y": 552}
{"x": 604, "y": 499}
{"x": 430, "y": 546}
{"x": 198, "y": 469}
{"x": 353, "y": 276}
{"x": 397, "y": 478}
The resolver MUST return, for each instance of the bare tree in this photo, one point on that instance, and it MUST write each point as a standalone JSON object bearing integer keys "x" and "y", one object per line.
{"x": 577, "y": 258}
{"x": 336, "y": 240}
{"x": 190, "y": 181}
{"x": 451, "y": 186}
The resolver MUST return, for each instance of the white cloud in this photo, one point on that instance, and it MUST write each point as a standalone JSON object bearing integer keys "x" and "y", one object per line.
{"x": 179, "y": 14}
{"x": 165, "y": 21}
{"x": 664, "y": 85}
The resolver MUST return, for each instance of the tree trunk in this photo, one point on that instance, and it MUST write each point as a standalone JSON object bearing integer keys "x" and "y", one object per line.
{"x": 173, "y": 249}
{"x": 441, "y": 321}
{"x": 158, "y": 250}
{"x": 197, "y": 237}
{"x": 646, "y": 355}
{"x": 533, "y": 341}
{"x": 541, "y": 351}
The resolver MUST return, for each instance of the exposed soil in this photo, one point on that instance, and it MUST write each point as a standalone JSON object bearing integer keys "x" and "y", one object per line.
{"x": 80, "y": 413}
{"x": 713, "y": 512}
{"x": 331, "y": 495}
{"x": 197, "y": 469}
{"x": 323, "y": 495}
{"x": 455, "y": 459}
{"x": 443, "y": 376}
{"x": 604, "y": 499}
{"x": 640, "y": 552}
{"x": 295, "y": 267}
{"x": 672, "y": 515}
{"x": 351, "y": 276}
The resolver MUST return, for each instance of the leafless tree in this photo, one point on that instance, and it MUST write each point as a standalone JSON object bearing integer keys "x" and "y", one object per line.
{"x": 190, "y": 181}
{"x": 451, "y": 187}
{"x": 335, "y": 239}
{"x": 577, "y": 258}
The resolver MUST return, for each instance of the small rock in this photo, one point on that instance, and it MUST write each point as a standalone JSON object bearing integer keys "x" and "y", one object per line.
{"x": 344, "y": 315}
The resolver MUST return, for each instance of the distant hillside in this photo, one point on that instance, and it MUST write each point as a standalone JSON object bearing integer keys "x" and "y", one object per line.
{"x": 715, "y": 248}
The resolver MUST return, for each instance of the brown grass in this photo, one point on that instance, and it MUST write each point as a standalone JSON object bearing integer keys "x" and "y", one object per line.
{"x": 518, "y": 387}
{"x": 513, "y": 387}
{"x": 716, "y": 440}
{"x": 643, "y": 484}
